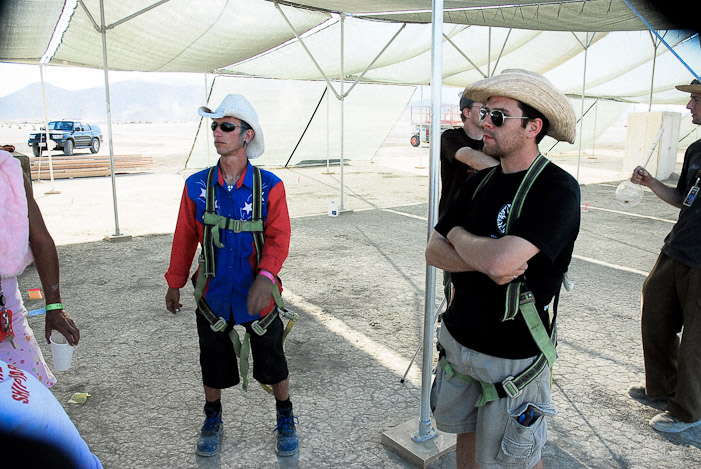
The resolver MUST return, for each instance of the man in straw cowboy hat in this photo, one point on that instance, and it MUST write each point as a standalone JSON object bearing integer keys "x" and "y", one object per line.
{"x": 492, "y": 385}
{"x": 671, "y": 297}
{"x": 239, "y": 288}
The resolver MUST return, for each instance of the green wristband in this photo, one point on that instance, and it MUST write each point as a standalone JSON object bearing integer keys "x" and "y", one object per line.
{"x": 53, "y": 306}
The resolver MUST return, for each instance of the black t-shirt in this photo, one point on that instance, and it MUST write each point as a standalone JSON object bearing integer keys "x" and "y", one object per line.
{"x": 549, "y": 220}
{"x": 683, "y": 243}
{"x": 454, "y": 172}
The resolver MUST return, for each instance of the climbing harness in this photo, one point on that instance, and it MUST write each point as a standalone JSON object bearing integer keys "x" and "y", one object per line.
{"x": 518, "y": 299}
{"x": 213, "y": 223}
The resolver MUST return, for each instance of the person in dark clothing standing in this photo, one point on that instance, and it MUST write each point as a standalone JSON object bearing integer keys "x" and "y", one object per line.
{"x": 461, "y": 156}
{"x": 671, "y": 297}
{"x": 507, "y": 237}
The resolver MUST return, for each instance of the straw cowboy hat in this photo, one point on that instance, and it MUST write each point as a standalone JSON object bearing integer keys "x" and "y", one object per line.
{"x": 694, "y": 87}
{"x": 235, "y": 105}
{"x": 536, "y": 91}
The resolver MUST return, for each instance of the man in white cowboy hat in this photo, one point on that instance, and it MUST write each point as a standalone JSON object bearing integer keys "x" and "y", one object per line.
{"x": 240, "y": 281}
{"x": 492, "y": 385}
{"x": 670, "y": 297}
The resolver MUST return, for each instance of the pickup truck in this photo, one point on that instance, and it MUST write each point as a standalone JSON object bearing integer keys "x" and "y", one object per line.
{"x": 67, "y": 135}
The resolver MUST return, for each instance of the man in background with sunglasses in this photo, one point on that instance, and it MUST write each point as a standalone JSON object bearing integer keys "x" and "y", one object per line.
{"x": 240, "y": 291}
{"x": 480, "y": 391}
{"x": 670, "y": 297}
{"x": 461, "y": 157}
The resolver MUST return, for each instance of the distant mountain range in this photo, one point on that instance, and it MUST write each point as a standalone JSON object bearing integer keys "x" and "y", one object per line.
{"x": 131, "y": 101}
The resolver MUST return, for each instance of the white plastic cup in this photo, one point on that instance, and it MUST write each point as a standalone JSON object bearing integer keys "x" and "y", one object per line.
{"x": 333, "y": 209}
{"x": 62, "y": 351}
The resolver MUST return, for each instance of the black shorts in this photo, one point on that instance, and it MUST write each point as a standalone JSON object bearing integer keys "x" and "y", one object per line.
{"x": 218, "y": 358}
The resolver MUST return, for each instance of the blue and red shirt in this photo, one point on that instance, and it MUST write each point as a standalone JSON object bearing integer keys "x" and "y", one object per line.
{"x": 226, "y": 293}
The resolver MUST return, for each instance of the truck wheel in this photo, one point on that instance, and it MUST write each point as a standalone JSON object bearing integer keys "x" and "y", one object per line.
{"x": 95, "y": 146}
{"x": 68, "y": 148}
{"x": 36, "y": 150}
{"x": 415, "y": 142}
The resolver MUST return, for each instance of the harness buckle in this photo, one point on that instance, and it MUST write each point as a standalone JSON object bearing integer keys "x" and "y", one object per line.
{"x": 510, "y": 387}
{"x": 287, "y": 314}
{"x": 257, "y": 328}
{"x": 218, "y": 326}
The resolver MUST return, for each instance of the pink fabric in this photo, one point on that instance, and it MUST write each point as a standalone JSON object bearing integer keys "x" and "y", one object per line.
{"x": 15, "y": 253}
{"x": 27, "y": 355}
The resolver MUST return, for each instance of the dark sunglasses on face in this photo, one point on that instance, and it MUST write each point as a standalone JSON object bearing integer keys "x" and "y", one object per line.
{"x": 496, "y": 116}
{"x": 225, "y": 126}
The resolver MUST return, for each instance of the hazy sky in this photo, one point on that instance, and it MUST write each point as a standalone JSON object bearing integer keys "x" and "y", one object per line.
{"x": 14, "y": 77}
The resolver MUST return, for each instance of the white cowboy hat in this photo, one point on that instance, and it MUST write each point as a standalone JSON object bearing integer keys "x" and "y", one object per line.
{"x": 536, "y": 91}
{"x": 235, "y": 105}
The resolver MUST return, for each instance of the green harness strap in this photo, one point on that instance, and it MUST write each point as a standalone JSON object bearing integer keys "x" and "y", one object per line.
{"x": 516, "y": 301}
{"x": 213, "y": 223}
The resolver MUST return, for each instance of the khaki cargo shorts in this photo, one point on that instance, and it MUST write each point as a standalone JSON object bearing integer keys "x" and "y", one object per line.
{"x": 501, "y": 440}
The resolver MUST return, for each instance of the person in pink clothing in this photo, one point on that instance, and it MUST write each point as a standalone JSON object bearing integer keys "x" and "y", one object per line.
{"x": 23, "y": 239}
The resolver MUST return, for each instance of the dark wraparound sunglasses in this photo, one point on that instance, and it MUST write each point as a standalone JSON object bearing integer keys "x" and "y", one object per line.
{"x": 496, "y": 116}
{"x": 225, "y": 126}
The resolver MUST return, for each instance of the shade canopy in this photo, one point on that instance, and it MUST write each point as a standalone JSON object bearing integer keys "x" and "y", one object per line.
{"x": 386, "y": 41}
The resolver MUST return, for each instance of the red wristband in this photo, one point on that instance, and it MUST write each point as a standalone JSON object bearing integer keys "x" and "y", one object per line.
{"x": 268, "y": 275}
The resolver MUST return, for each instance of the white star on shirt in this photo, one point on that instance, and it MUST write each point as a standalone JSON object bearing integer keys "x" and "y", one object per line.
{"x": 248, "y": 207}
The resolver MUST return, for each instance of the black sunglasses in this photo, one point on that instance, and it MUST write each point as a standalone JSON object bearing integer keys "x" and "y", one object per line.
{"x": 225, "y": 126}
{"x": 497, "y": 116}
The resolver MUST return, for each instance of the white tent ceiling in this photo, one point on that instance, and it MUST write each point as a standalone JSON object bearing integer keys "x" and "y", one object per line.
{"x": 559, "y": 15}
{"x": 620, "y": 63}
{"x": 253, "y": 38}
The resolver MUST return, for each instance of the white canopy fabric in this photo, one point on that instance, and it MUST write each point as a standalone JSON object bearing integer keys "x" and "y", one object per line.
{"x": 173, "y": 36}
{"x": 557, "y": 15}
{"x": 206, "y": 35}
{"x": 253, "y": 38}
{"x": 619, "y": 65}
{"x": 26, "y": 27}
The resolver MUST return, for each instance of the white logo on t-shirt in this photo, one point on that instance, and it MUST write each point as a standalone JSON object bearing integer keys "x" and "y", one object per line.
{"x": 502, "y": 217}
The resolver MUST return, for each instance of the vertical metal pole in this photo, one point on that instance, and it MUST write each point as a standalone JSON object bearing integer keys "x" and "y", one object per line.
{"x": 46, "y": 132}
{"x": 103, "y": 33}
{"x": 652, "y": 76}
{"x": 208, "y": 134}
{"x": 328, "y": 128}
{"x": 426, "y": 431}
{"x": 343, "y": 18}
{"x": 489, "y": 52}
{"x": 596, "y": 118}
{"x": 581, "y": 114}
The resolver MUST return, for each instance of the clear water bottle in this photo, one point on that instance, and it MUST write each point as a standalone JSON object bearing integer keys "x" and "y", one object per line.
{"x": 333, "y": 209}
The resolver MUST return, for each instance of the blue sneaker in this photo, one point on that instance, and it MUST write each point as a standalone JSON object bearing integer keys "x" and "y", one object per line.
{"x": 210, "y": 434}
{"x": 287, "y": 442}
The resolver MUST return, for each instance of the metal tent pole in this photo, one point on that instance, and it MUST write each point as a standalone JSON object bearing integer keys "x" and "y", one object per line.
{"x": 427, "y": 444}
{"x": 426, "y": 431}
{"x": 343, "y": 18}
{"x": 46, "y": 136}
{"x": 584, "y": 87}
{"x": 654, "y": 31}
{"x": 103, "y": 34}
